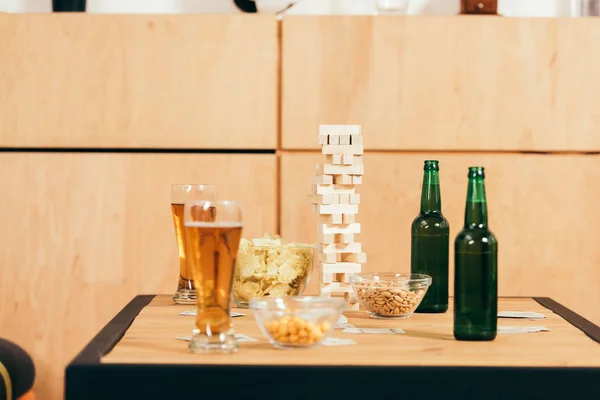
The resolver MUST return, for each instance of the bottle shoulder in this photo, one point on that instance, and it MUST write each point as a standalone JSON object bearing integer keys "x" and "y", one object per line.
{"x": 427, "y": 222}
{"x": 476, "y": 236}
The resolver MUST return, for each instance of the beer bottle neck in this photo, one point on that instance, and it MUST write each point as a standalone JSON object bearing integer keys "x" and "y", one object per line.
{"x": 431, "y": 200}
{"x": 476, "y": 215}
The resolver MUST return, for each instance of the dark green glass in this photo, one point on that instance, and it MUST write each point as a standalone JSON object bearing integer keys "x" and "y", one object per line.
{"x": 430, "y": 242}
{"x": 476, "y": 268}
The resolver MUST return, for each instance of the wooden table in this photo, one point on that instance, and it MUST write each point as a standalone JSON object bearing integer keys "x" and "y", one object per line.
{"x": 137, "y": 356}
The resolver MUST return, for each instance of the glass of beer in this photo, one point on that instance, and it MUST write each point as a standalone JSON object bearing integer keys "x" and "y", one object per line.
{"x": 213, "y": 230}
{"x": 180, "y": 194}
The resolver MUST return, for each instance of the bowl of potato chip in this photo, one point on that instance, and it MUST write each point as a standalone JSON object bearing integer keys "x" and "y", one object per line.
{"x": 297, "y": 321}
{"x": 271, "y": 267}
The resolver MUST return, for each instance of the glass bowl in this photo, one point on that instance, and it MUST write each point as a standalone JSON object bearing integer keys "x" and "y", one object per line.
{"x": 272, "y": 271}
{"x": 389, "y": 294}
{"x": 296, "y": 321}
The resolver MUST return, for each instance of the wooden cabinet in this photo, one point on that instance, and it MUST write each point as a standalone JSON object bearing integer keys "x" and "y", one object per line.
{"x": 542, "y": 209}
{"x": 82, "y": 234}
{"x": 138, "y": 81}
{"x": 443, "y": 83}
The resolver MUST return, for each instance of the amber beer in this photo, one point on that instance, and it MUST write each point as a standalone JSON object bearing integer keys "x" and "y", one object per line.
{"x": 186, "y": 294}
{"x": 212, "y": 248}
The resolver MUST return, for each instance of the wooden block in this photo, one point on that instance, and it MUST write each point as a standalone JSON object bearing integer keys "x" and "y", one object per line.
{"x": 322, "y": 179}
{"x": 341, "y": 248}
{"x": 348, "y": 218}
{"x": 343, "y": 179}
{"x": 326, "y": 238}
{"x": 329, "y": 258}
{"x": 332, "y": 169}
{"x": 354, "y": 199}
{"x": 330, "y": 198}
{"x": 336, "y": 287}
{"x": 345, "y": 238}
{"x": 344, "y": 139}
{"x": 335, "y": 159}
{"x": 356, "y": 160}
{"x": 360, "y": 258}
{"x": 323, "y": 139}
{"x": 329, "y": 278}
{"x": 341, "y": 267}
{"x": 347, "y": 159}
{"x": 356, "y": 180}
{"x": 331, "y": 218}
{"x": 343, "y": 199}
{"x": 339, "y": 149}
{"x": 348, "y": 129}
{"x": 334, "y": 139}
{"x": 356, "y": 140}
{"x": 333, "y": 188}
{"x": 335, "y": 229}
{"x": 338, "y": 208}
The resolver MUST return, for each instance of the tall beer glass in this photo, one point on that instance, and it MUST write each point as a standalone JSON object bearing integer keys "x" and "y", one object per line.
{"x": 186, "y": 294}
{"x": 213, "y": 230}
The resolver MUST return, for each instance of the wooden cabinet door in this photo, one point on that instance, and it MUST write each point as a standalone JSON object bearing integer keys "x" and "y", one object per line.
{"x": 82, "y": 234}
{"x": 542, "y": 209}
{"x": 138, "y": 81}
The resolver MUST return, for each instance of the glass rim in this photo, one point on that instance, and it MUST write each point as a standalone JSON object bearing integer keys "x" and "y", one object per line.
{"x": 173, "y": 185}
{"x": 302, "y": 303}
{"x": 363, "y": 277}
{"x": 204, "y": 201}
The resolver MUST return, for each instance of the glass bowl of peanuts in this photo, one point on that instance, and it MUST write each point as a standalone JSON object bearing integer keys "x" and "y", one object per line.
{"x": 389, "y": 294}
{"x": 296, "y": 321}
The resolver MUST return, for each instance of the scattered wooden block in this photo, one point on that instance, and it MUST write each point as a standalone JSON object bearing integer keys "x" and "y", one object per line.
{"x": 333, "y": 188}
{"x": 354, "y": 199}
{"x": 356, "y": 180}
{"x": 348, "y": 218}
{"x": 343, "y": 199}
{"x": 360, "y": 258}
{"x": 331, "y": 218}
{"x": 341, "y": 248}
{"x": 322, "y": 179}
{"x": 341, "y": 267}
{"x": 339, "y": 149}
{"x": 344, "y": 139}
{"x": 356, "y": 139}
{"x": 332, "y": 169}
{"x": 338, "y": 208}
{"x": 335, "y": 159}
{"x": 335, "y": 229}
{"x": 343, "y": 179}
{"x": 331, "y": 198}
{"x": 343, "y": 238}
{"x": 348, "y": 129}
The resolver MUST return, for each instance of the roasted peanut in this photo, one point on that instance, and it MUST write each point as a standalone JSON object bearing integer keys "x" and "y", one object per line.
{"x": 386, "y": 299}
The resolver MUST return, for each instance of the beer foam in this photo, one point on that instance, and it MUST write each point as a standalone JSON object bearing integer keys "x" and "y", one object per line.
{"x": 220, "y": 224}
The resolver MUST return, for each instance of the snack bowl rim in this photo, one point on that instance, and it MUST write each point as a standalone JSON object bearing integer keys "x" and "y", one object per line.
{"x": 270, "y": 304}
{"x": 368, "y": 277}
{"x": 290, "y": 245}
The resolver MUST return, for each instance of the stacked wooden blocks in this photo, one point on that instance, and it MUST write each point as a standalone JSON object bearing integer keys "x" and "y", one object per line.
{"x": 335, "y": 200}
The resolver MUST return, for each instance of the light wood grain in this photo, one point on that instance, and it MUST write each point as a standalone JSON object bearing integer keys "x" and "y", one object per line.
{"x": 542, "y": 209}
{"x": 84, "y": 233}
{"x": 174, "y": 81}
{"x": 428, "y": 341}
{"x": 444, "y": 82}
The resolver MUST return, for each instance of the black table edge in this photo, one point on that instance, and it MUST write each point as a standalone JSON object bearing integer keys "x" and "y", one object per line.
{"x": 87, "y": 378}
{"x": 583, "y": 324}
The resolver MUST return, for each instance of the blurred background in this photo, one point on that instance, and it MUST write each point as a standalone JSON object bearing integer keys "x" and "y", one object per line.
{"x": 100, "y": 112}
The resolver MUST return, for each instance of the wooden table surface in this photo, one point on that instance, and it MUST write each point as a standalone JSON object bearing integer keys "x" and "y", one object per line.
{"x": 428, "y": 341}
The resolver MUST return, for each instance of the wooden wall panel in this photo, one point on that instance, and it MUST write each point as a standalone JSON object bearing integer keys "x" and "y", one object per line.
{"x": 445, "y": 83}
{"x": 173, "y": 81}
{"x": 84, "y": 233}
{"x": 542, "y": 209}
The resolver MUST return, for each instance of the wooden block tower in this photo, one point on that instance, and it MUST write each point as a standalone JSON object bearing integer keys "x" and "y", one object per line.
{"x": 335, "y": 200}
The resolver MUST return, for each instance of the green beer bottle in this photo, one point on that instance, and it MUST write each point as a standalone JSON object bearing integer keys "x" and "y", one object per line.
{"x": 476, "y": 268}
{"x": 430, "y": 242}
